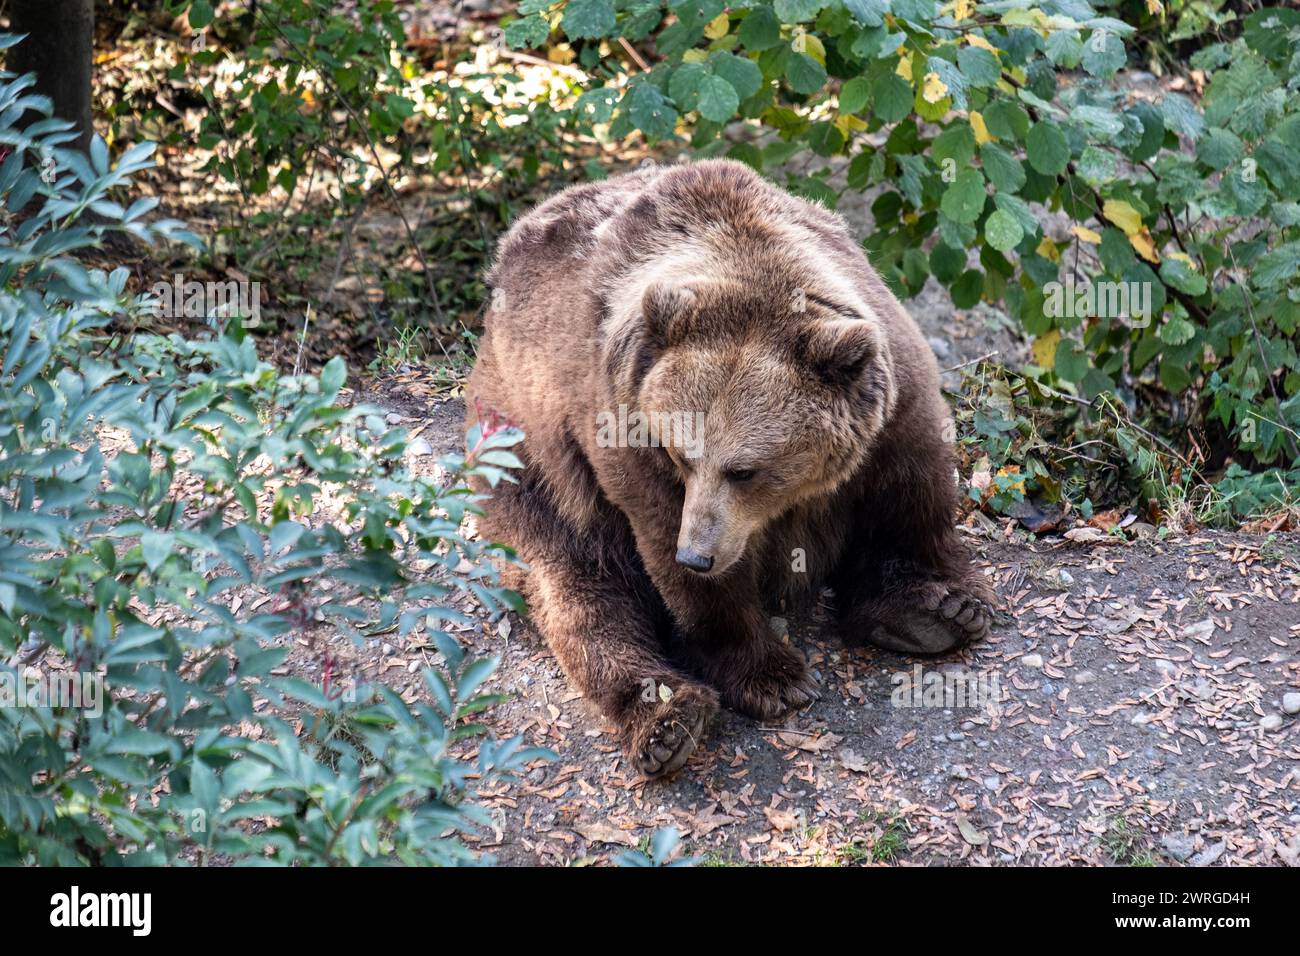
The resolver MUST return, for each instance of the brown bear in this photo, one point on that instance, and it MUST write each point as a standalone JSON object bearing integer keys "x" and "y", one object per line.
{"x": 724, "y": 407}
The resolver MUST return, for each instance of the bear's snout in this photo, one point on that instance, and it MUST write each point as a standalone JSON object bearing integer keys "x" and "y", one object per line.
{"x": 695, "y": 561}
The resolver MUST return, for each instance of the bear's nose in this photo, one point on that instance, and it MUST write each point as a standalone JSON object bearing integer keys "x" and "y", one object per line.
{"x": 696, "y": 562}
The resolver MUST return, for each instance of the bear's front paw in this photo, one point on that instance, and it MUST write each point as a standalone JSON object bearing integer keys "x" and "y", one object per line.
{"x": 777, "y": 684}
{"x": 662, "y": 741}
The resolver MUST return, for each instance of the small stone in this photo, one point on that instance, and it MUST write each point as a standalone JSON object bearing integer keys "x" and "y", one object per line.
{"x": 1291, "y": 704}
{"x": 392, "y": 418}
{"x": 968, "y": 725}
{"x": 1085, "y": 677}
{"x": 780, "y": 626}
{"x": 1164, "y": 666}
{"x": 419, "y": 447}
{"x": 1203, "y": 689}
{"x": 1032, "y": 660}
{"x": 1141, "y": 720}
{"x": 956, "y": 735}
{"x": 389, "y": 650}
{"x": 1209, "y": 855}
{"x": 1064, "y": 577}
{"x": 1271, "y": 723}
{"x": 1179, "y": 846}
{"x": 991, "y": 783}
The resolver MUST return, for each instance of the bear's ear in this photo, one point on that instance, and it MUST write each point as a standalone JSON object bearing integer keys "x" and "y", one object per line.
{"x": 668, "y": 308}
{"x": 839, "y": 350}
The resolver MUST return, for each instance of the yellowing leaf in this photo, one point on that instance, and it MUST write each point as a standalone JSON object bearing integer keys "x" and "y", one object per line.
{"x": 561, "y": 53}
{"x": 1122, "y": 215}
{"x": 1043, "y": 351}
{"x": 965, "y": 9}
{"x": 846, "y": 123}
{"x": 1183, "y": 257}
{"x": 717, "y": 27}
{"x": 982, "y": 134}
{"x": 1156, "y": 8}
{"x": 1145, "y": 246}
{"x": 974, "y": 39}
{"x": 934, "y": 89}
{"x": 1014, "y": 470}
{"x": 1086, "y": 234}
{"x": 695, "y": 56}
{"x": 1047, "y": 249}
{"x": 904, "y": 68}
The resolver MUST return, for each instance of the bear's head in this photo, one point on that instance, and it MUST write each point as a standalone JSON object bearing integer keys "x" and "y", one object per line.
{"x": 760, "y": 398}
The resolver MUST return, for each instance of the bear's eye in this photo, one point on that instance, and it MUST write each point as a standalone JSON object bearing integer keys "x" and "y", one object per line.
{"x": 739, "y": 474}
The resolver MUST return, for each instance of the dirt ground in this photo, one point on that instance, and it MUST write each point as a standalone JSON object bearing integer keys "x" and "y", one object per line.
{"x": 1132, "y": 714}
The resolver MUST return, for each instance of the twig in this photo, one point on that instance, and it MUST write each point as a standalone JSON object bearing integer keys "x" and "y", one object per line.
{"x": 642, "y": 64}
{"x": 302, "y": 341}
{"x": 974, "y": 361}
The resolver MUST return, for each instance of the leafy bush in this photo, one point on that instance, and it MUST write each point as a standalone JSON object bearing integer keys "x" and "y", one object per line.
{"x": 149, "y": 491}
{"x": 1006, "y": 160}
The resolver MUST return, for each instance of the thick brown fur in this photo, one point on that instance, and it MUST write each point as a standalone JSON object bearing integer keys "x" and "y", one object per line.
{"x": 825, "y": 458}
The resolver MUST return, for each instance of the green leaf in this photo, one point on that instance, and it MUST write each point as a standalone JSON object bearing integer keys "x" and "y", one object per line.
{"x": 1003, "y": 170}
{"x": 1177, "y": 273}
{"x": 332, "y": 376}
{"x": 718, "y": 99}
{"x": 1177, "y": 331}
{"x": 855, "y": 94}
{"x": 1002, "y": 231}
{"x": 650, "y": 112}
{"x": 1219, "y": 148}
{"x": 796, "y": 11}
{"x": 588, "y": 19}
{"x": 1047, "y": 148}
{"x": 980, "y": 67}
{"x": 1103, "y": 53}
{"x": 869, "y": 13}
{"x": 742, "y": 73}
{"x": 893, "y": 98}
{"x": 201, "y": 14}
{"x": 963, "y": 201}
{"x": 156, "y": 547}
{"x": 760, "y": 30}
{"x": 527, "y": 32}
{"x": 804, "y": 74}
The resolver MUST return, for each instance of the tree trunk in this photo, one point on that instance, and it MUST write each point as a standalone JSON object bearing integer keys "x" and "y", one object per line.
{"x": 59, "y": 49}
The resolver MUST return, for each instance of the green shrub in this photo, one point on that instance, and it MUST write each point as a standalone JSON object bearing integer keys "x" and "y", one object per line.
{"x": 150, "y": 489}
{"x": 969, "y": 123}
